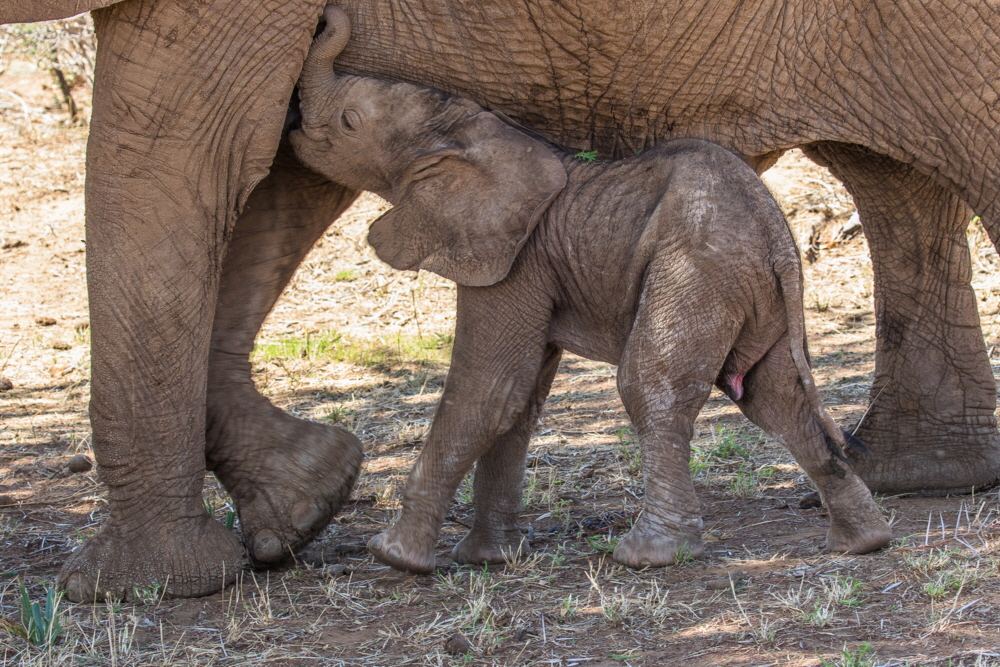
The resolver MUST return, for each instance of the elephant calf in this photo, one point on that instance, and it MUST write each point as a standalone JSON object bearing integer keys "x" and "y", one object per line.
{"x": 676, "y": 264}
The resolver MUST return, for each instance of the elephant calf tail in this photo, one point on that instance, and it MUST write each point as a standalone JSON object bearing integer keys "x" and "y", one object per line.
{"x": 789, "y": 272}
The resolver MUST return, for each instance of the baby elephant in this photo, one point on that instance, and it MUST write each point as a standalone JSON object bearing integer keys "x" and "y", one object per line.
{"x": 677, "y": 265}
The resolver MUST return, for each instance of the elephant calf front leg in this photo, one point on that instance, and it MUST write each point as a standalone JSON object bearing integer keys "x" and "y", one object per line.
{"x": 495, "y": 536}
{"x": 493, "y": 381}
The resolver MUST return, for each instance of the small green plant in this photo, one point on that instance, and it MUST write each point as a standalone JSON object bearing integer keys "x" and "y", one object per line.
{"x": 943, "y": 584}
{"x": 863, "y": 656}
{"x": 568, "y": 608}
{"x": 345, "y": 276}
{"x": 329, "y": 346}
{"x": 560, "y": 511}
{"x": 41, "y": 625}
{"x": 464, "y": 493}
{"x": 697, "y": 462}
{"x": 684, "y": 555}
{"x": 844, "y": 590}
{"x": 230, "y": 519}
{"x": 339, "y": 415}
{"x": 586, "y": 156}
{"x": 820, "y": 614}
{"x": 727, "y": 446}
{"x": 629, "y": 452}
{"x": 147, "y": 594}
{"x": 603, "y": 544}
{"x": 748, "y": 480}
{"x": 820, "y": 304}
{"x": 530, "y": 489}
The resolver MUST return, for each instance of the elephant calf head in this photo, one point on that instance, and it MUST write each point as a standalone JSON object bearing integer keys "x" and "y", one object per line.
{"x": 467, "y": 189}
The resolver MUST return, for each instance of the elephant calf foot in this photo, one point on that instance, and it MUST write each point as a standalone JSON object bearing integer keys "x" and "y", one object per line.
{"x": 490, "y": 546}
{"x": 188, "y": 558}
{"x": 856, "y": 523}
{"x": 287, "y": 476}
{"x": 648, "y": 546}
{"x": 403, "y": 550}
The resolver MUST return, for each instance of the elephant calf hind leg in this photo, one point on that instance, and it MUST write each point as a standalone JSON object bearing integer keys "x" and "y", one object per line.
{"x": 775, "y": 400}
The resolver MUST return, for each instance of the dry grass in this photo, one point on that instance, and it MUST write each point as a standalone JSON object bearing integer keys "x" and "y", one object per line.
{"x": 356, "y": 343}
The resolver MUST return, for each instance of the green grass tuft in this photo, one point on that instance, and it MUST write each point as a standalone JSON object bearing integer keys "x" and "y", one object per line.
{"x": 331, "y": 346}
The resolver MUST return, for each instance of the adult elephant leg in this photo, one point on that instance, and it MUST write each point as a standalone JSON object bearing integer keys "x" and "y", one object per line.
{"x": 497, "y": 487}
{"x": 287, "y": 476}
{"x": 931, "y": 424}
{"x": 188, "y": 106}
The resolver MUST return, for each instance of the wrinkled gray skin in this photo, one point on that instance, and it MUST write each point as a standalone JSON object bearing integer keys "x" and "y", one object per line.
{"x": 197, "y": 217}
{"x": 677, "y": 265}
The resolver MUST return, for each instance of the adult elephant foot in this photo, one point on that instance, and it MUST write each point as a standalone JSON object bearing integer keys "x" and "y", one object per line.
{"x": 287, "y": 476}
{"x": 931, "y": 423}
{"x": 647, "y": 545}
{"x": 490, "y": 546}
{"x": 188, "y": 558}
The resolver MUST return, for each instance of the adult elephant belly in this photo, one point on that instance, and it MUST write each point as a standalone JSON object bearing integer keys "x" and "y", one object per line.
{"x": 893, "y": 100}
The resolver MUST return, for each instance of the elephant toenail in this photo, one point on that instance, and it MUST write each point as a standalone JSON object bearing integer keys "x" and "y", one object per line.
{"x": 307, "y": 515}
{"x": 266, "y": 547}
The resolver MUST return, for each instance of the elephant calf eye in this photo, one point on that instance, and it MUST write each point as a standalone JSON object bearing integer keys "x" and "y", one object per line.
{"x": 349, "y": 120}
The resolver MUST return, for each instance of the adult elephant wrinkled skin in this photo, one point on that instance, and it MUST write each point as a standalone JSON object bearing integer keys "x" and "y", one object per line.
{"x": 197, "y": 216}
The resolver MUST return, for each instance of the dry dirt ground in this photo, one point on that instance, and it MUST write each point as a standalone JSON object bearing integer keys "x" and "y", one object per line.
{"x": 356, "y": 343}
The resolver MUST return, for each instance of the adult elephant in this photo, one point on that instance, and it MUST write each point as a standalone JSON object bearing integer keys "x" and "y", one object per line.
{"x": 898, "y": 98}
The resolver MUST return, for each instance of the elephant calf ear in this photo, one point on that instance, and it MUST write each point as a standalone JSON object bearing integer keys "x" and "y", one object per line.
{"x": 465, "y": 211}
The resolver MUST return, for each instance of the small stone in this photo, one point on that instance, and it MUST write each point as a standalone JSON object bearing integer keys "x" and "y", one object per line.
{"x": 61, "y": 345}
{"x": 79, "y": 463}
{"x": 457, "y": 644}
{"x": 336, "y": 569}
{"x": 45, "y": 321}
{"x": 810, "y": 501}
{"x": 6, "y": 384}
{"x": 734, "y": 578}
{"x": 7, "y": 500}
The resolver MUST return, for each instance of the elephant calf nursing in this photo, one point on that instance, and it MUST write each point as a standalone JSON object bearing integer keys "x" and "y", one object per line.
{"x": 676, "y": 265}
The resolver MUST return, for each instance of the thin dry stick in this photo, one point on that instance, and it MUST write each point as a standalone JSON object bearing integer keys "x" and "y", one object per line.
{"x": 869, "y": 408}
{"x": 10, "y": 354}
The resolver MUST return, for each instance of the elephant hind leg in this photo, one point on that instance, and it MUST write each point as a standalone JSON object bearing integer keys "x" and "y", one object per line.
{"x": 775, "y": 400}
{"x": 679, "y": 343}
{"x": 288, "y": 476}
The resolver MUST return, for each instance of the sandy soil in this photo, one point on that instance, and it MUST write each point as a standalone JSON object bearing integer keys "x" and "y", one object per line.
{"x": 354, "y": 342}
